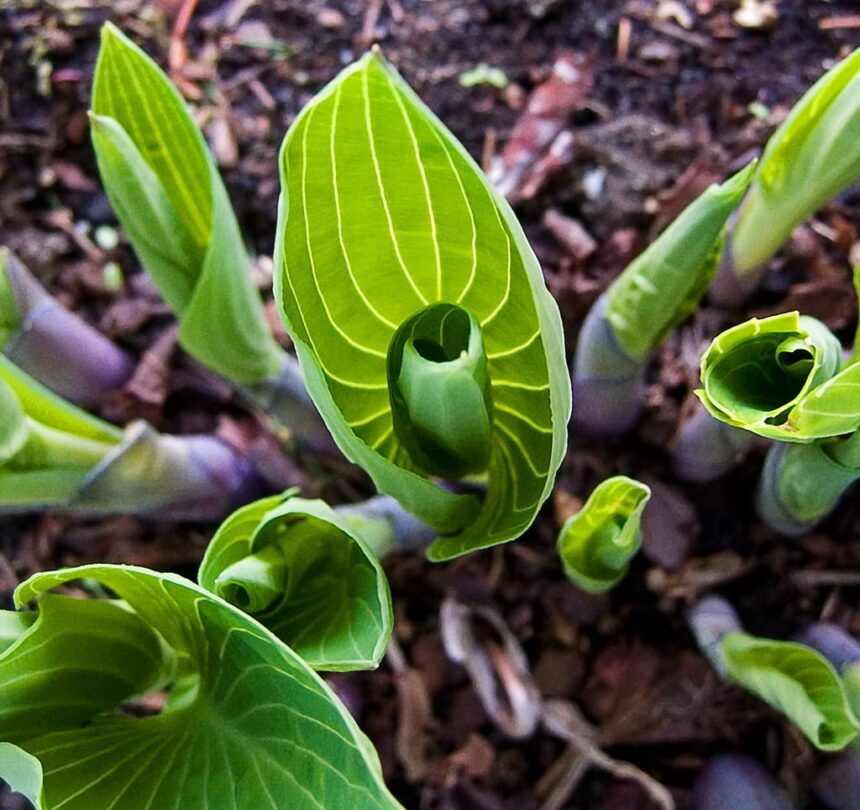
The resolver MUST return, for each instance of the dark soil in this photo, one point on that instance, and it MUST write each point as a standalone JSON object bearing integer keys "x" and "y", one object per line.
{"x": 671, "y": 109}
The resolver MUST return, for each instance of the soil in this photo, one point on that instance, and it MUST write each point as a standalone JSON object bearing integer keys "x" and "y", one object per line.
{"x": 679, "y": 95}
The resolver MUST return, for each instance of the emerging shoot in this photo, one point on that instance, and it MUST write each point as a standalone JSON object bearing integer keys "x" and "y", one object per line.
{"x": 419, "y": 313}
{"x": 597, "y": 543}
{"x": 654, "y": 294}
{"x": 813, "y": 156}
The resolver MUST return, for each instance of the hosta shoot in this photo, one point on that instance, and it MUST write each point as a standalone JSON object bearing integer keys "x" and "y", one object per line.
{"x": 794, "y": 678}
{"x": 653, "y": 295}
{"x": 167, "y": 193}
{"x": 52, "y": 454}
{"x": 55, "y": 346}
{"x": 597, "y": 543}
{"x": 168, "y": 696}
{"x": 419, "y": 313}
{"x": 301, "y": 570}
{"x": 813, "y": 156}
{"x": 780, "y": 377}
{"x": 783, "y": 378}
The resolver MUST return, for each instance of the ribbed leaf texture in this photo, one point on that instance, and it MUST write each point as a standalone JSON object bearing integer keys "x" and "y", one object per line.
{"x": 166, "y": 191}
{"x": 384, "y": 214}
{"x": 808, "y": 160}
{"x": 797, "y": 681}
{"x": 247, "y": 722}
{"x": 315, "y": 584}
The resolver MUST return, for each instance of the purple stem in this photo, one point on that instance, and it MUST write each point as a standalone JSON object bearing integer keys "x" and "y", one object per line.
{"x": 706, "y": 448}
{"x": 737, "y": 782}
{"x": 608, "y": 384}
{"x": 57, "y": 347}
{"x": 169, "y": 477}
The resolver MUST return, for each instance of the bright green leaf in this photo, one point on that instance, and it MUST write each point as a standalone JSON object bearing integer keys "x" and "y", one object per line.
{"x": 247, "y": 723}
{"x": 765, "y": 376}
{"x": 384, "y": 215}
{"x": 169, "y": 197}
{"x": 809, "y": 159}
{"x": 23, "y": 773}
{"x": 662, "y": 287}
{"x": 797, "y": 681}
{"x": 300, "y": 570}
{"x": 597, "y": 543}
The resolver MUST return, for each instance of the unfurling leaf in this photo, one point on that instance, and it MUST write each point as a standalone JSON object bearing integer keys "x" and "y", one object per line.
{"x": 597, "y": 543}
{"x": 387, "y": 226}
{"x": 797, "y": 681}
{"x": 246, "y": 723}
{"x": 300, "y": 570}
{"x": 167, "y": 194}
{"x": 777, "y": 377}
{"x": 811, "y": 157}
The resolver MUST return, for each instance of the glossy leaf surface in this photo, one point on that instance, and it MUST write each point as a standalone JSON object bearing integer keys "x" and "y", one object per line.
{"x": 597, "y": 543}
{"x": 301, "y": 571}
{"x": 169, "y": 197}
{"x": 247, "y": 723}
{"x": 384, "y": 214}
{"x": 777, "y": 377}
{"x": 797, "y": 681}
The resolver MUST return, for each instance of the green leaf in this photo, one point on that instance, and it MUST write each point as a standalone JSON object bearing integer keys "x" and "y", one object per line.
{"x": 856, "y": 356}
{"x": 10, "y": 317}
{"x": 597, "y": 543}
{"x": 13, "y": 424}
{"x": 765, "y": 376}
{"x": 797, "y": 681}
{"x": 384, "y": 215}
{"x": 302, "y": 571}
{"x": 247, "y": 723}
{"x": 168, "y": 195}
{"x": 48, "y": 447}
{"x": 809, "y": 159}
{"x": 23, "y": 773}
{"x": 662, "y": 287}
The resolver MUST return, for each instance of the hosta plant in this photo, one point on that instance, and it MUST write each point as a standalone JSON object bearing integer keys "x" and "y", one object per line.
{"x": 813, "y": 155}
{"x": 52, "y": 454}
{"x": 52, "y": 344}
{"x": 419, "y": 313}
{"x": 307, "y": 575}
{"x": 819, "y": 694}
{"x": 652, "y": 296}
{"x": 165, "y": 188}
{"x": 784, "y": 378}
{"x": 167, "y": 695}
{"x": 597, "y": 543}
